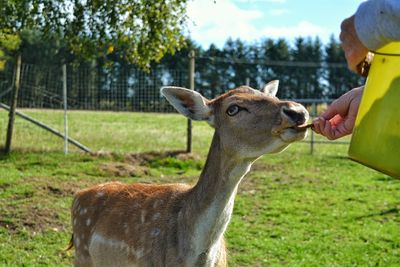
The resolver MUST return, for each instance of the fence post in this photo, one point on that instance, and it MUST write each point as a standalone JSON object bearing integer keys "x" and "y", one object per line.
{"x": 313, "y": 114}
{"x": 11, "y": 114}
{"x": 64, "y": 69}
{"x": 191, "y": 87}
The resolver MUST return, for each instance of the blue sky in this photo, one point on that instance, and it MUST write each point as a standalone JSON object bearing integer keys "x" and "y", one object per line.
{"x": 213, "y": 21}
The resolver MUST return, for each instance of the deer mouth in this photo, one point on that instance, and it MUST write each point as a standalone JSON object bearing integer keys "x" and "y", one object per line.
{"x": 302, "y": 127}
{"x": 294, "y": 133}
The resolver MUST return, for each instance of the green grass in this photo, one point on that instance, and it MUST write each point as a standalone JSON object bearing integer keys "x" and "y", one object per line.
{"x": 293, "y": 209}
{"x": 118, "y": 132}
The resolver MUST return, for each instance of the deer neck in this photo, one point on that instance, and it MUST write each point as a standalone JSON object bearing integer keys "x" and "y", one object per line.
{"x": 209, "y": 205}
{"x": 221, "y": 175}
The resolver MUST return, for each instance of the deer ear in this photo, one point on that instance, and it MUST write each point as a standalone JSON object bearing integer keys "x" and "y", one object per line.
{"x": 271, "y": 88}
{"x": 188, "y": 102}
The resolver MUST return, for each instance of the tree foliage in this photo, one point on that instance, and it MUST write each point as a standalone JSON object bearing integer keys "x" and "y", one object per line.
{"x": 137, "y": 31}
{"x": 305, "y": 68}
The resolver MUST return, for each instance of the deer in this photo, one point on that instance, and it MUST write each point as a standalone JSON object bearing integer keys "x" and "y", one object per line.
{"x": 117, "y": 224}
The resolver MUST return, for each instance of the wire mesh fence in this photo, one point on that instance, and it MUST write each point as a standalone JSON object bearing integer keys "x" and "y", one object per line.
{"x": 91, "y": 89}
{"x": 127, "y": 88}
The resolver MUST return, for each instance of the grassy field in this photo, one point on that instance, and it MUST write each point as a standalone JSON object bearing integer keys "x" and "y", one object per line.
{"x": 293, "y": 209}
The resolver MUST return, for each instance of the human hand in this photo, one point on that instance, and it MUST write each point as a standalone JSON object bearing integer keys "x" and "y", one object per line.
{"x": 354, "y": 50}
{"x": 338, "y": 120}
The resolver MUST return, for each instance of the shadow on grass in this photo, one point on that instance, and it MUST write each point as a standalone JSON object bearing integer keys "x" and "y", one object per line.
{"x": 391, "y": 211}
{"x": 3, "y": 154}
{"x": 386, "y": 178}
{"x": 19, "y": 150}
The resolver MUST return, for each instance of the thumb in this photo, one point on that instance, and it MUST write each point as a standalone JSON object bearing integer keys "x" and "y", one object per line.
{"x": 332, "y": 111}
{"x": 339, "y": 106}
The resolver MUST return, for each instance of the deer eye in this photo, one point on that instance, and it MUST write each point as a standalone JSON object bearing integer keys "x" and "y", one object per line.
{"x": 233, "y": 110}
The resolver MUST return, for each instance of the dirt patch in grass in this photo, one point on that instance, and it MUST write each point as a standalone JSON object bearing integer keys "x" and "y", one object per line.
{"x": 4, "y": 186}
{"x": 143, "y": 159}
{"x": 32, "y": 218}
{"x": 56, "y": 187}
{"x": 34, "y": 210}
{"x": 251, "y": 182}
{"x": 57, "y": 191}
{"x": 138, "y": 164}
{"x": 261, "y": 166}
{"x": 123, "y": 169}
{"x": 42, "y": 219}
{"x": 9, "y": 225}
{"x": 35, "y": 202}
{"x": 248, "y": 185}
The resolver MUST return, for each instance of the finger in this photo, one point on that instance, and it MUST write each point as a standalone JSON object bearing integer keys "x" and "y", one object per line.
{"x": 339, "y": 106}
{"x": 333, "y": 110}
{"x": 318, "y": 124}
{"x": 346, "y": 39}
{"x": 338, "y": 133}
{"x": 341, "y": 129}
{"x": 328, "y": 131}
{"x": 333, "y": 132}
{"x": 346, "y": 127}
{"x": 346, "y": 23}
{"x": 315, "y": 126}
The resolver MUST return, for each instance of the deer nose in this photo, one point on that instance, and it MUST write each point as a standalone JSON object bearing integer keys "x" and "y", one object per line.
{"x": 296, "y": 113}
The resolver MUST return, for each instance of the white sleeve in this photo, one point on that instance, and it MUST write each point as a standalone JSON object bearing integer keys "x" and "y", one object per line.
{"x": 377, "y": 22}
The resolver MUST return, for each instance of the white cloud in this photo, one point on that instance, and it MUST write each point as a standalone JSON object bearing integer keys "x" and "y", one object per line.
{"x": 303, "y": 28}
{"x": 215, "y": 22}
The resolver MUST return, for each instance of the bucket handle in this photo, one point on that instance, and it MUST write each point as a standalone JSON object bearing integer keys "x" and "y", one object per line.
{"x": 385, "y": 54}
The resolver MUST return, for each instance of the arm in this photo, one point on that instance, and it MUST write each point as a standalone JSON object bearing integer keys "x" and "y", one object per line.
{"x": 377, "y": 22}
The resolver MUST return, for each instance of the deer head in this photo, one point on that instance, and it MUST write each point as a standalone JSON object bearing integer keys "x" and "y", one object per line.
{"x": 250, "y": 122}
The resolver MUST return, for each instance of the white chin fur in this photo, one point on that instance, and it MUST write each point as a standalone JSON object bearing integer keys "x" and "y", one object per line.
{"x": 291, "y": 135}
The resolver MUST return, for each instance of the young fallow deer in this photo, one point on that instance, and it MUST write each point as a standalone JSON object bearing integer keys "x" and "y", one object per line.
{"x": 116, "y": 224}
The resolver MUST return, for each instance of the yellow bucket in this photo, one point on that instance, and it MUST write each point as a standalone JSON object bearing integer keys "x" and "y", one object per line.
{"x": 376, "y": 136}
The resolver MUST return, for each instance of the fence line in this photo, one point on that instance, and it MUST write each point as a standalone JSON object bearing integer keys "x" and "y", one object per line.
{"x": 47, "y": 128}
{"x": 130, "y": 89}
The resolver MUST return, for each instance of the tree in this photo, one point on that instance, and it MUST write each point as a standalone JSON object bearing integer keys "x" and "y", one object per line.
{"x": 271, "y": 53}
{"x": 339, "y": 78}
{"x": 8, "y": 43}
{"x": 241, "y": 69}
{"x": 212, "y": 71}
{"x": 306, "y": 79}
{"x": 141, "y": 31}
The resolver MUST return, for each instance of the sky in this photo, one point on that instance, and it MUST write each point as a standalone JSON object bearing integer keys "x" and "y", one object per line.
{"x": 214, "y": 21}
